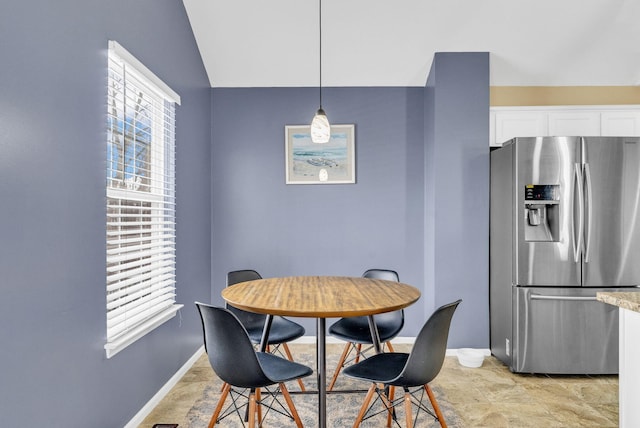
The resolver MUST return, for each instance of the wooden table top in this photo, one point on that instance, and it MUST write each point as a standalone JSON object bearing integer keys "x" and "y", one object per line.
{"x": 320, "y": 296}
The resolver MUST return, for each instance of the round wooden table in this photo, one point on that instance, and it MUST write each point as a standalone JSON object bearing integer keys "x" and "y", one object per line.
{"x": 321, "y": 297}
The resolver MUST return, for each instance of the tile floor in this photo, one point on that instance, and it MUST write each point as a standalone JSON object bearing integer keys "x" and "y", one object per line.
{"x": 489, "y": 396}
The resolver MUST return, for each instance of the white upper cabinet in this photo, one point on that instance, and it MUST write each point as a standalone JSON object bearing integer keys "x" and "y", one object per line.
{"x": 620, "y": 123}
{"x": 568, "y": 123}
{"x": 509, "y": 125}
{"x": 588, "y": 121}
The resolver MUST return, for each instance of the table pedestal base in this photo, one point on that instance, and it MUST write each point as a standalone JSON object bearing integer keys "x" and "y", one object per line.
{"x": 321, "y": 355}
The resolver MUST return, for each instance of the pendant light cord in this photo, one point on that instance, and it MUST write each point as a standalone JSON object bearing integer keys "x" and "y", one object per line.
{"x": 320, "y": 50}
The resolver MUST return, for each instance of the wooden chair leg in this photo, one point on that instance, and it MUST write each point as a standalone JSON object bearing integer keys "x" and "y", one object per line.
{"x": 339, "y": 366}
{"x": 436, "y": 408}
{"x": 292, "y": 407}
{"x": 252, "y": 410}
{"x": 390, "y": 347}
{"x": 359, "y": 349}
{"x": 392, "y": 390}
{"x": 287, "y": 351}
{"x": 223, "y": 398}
{"x": 365, "y": 405}
{"x": 258, "y": 406}
{"x": 387, "y": 401}
{"x": 407, "y": 409}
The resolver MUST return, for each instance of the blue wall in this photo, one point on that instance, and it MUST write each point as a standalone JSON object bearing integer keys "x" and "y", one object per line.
{"x": 53, "y": 370}
{"x": 457, "y": 188}
{"x": 341, "y": 229}
{"x": 420, "y": 204}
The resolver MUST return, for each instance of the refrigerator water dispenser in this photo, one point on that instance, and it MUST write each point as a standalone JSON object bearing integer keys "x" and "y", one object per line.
{"x": 541, "y": 213}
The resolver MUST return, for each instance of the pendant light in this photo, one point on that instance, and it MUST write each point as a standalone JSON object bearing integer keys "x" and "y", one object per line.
{"x": 320, "y": 128}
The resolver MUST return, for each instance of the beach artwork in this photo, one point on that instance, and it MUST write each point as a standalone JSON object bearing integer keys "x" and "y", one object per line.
{"x": 311, "y": 163}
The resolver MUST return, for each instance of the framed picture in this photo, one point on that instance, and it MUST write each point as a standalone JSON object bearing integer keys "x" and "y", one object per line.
{"x": 311, "y": 163}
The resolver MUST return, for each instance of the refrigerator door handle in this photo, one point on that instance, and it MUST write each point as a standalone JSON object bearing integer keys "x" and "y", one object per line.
{"x": 577, "y": 240}
{"x": 570, "y": 298}
{"x": 589, "y": 204}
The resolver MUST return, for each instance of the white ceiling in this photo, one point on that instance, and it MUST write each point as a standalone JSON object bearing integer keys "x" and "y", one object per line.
{"x": 260, "y": 43}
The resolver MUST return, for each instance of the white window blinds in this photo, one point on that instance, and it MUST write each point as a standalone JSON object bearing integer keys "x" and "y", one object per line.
{"x": 140, "y": 180}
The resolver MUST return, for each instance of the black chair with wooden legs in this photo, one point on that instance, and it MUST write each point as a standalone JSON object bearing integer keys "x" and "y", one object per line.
{"x": 356, "y": 332}
{"x": 412, "y": 372}
{"x": 234, "y": 360}
{"x": 282, "y": 329}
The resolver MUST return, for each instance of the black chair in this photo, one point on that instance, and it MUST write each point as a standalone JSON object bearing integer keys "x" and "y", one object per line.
{"x": 356, "y": 332}
{"x": 415, "y": 369}
{"x": 234, "y": 360}
{"x": 282, "y": 329}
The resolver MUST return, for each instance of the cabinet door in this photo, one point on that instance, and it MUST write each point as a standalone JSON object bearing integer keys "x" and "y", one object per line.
{"x": 509, "y": 125}
{"x": 574, "y": 123}
{"x": 629, "y": 368}
{"x": 620, "y": 123}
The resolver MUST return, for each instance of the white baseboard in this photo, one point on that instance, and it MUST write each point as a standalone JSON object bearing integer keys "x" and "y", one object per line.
{"x": 162, "y": 392}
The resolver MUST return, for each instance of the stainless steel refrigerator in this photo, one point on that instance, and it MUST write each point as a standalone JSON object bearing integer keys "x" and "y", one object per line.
{"x": 564, "y": 225}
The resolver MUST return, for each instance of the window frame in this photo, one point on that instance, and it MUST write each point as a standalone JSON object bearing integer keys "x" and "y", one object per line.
{"x": 140, "y": 201}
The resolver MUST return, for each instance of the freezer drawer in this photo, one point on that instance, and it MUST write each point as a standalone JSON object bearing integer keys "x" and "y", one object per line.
{"x": 563, "y": 331}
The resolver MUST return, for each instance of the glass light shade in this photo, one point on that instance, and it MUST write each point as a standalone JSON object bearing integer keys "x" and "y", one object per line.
{"x": 320, "y": 128}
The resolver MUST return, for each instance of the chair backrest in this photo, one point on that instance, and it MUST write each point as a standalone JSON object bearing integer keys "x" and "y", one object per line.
{"x": 249, "y": 320}
{"x": 395, "y": 319}
{"x": 229, "y": 348}
{"x": 243, "y": 275}
{"x": 427, "y": 356}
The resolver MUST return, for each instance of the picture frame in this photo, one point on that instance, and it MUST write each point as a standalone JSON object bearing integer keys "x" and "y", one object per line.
{"x": 307, "y": 162}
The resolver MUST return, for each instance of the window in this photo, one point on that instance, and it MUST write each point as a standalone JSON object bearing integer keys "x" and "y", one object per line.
{"x": 140, "y": 181}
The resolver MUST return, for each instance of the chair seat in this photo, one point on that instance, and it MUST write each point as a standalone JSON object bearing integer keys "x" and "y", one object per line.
{"x": 280, "y": 370}
{"x": 356, "y": 330}
{"x": 282, "y": 330}
{"x": 380, "y": 368}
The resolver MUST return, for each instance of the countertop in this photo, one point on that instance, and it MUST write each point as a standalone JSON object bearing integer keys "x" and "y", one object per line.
{"x": 623, "y": 299}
